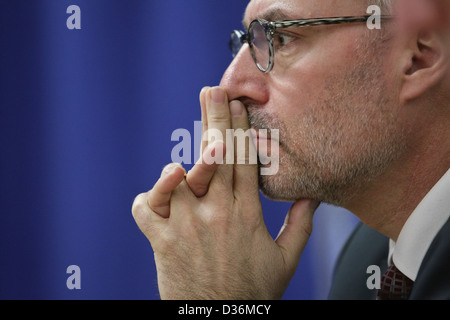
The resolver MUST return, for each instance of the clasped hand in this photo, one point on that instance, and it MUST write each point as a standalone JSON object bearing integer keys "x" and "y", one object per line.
{"x": 207, "y": 229}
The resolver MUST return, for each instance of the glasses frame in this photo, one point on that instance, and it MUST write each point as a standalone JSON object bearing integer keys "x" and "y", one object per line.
{"x": 270, "y": 28}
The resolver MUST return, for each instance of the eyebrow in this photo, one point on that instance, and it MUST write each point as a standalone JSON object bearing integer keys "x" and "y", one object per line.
{"x": 275, "y": 14}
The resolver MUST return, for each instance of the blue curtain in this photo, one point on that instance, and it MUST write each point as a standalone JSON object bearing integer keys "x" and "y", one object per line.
{"x": 85, "y": 125}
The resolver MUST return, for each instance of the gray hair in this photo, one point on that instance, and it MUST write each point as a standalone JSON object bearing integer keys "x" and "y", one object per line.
{"x": 385, "y": 5}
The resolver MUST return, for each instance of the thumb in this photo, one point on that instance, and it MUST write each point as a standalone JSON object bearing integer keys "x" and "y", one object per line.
{"x": 296, "y": 231}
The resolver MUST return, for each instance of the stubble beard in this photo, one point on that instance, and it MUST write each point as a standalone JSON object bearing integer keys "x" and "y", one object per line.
{"x": 337, "y": 147}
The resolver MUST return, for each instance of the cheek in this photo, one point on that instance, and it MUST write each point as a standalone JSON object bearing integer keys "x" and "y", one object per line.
{"x": 294, "y": 94}
{"x": 300, "y": 87}
{"x": 294, "y": 103}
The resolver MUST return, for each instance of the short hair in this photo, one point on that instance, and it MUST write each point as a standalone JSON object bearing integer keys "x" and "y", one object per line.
{"x": 385, "y": 5}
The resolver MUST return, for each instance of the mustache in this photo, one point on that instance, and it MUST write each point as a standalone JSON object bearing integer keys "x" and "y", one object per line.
{"x": 262, "y": 120}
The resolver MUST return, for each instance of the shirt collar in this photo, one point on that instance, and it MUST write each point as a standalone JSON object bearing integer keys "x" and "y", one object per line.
{"x": 420, "y": 229}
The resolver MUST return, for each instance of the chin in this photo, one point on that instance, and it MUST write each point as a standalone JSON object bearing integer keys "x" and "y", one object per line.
{"x": 273, "y": 188}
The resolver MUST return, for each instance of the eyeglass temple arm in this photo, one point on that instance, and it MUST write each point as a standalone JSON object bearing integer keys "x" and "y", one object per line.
{"x": 322, "y": 21}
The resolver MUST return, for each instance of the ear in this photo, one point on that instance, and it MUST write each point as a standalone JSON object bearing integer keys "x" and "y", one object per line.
{"x": 427, "y": 65}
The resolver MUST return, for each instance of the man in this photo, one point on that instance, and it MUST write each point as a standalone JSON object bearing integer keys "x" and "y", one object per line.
{"x": 364, "y": 123}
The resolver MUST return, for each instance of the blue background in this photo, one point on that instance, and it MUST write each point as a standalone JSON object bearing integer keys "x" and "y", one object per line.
{"x": 86, "y": 118}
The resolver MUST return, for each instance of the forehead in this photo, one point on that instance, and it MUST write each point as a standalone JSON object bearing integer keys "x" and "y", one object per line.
{"x": 273, "y": 10}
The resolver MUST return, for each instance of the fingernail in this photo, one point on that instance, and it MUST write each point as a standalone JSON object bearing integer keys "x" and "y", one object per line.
{"x": 236, "y": 108}
{"x": 217, "y": 95}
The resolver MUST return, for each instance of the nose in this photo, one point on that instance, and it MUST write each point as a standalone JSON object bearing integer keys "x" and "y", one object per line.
{"x": 243, "y": 81}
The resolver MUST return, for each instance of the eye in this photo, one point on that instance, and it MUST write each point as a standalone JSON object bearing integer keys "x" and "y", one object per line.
{"x": 282, "y": 39}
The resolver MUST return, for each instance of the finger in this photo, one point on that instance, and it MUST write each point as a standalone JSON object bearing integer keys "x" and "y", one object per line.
{"x": 245, "y": 156}
{"x": 159, "y": 197}
{"x": 199, "y": 177}
{"x": 145, "y": 218}
{"x": 217, "y": 114}
{"x": 296, "y": 231}
{"x": 204, "y": 117}
{"x": 219, "y": 121}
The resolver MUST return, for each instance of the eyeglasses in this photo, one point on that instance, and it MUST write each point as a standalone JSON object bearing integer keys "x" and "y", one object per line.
{"x": 260, "y": 36}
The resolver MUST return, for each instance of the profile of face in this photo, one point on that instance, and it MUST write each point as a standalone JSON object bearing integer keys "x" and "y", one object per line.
{"x": 332, "y": 94}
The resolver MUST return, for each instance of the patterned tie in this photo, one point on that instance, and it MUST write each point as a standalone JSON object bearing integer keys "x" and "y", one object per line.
{"x": 394, "y": 285}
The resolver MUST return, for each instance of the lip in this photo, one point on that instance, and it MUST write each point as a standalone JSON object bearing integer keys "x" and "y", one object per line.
{"x": 266, "y": 145}
{"x": 256, "y": 135}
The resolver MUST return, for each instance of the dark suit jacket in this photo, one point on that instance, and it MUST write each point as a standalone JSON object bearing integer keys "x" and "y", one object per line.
{"x": 367, "y": 247}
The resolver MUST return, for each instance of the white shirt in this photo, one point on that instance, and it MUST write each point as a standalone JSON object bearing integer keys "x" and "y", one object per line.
{"x": 421, "y": 228}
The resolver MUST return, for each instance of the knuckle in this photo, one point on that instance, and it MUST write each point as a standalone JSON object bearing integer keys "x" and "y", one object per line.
{"x": 142, "y": 216}
{"x": 138, "y": 205}
{"x": 219, "y": 117}
{"x": 141, "y": 211}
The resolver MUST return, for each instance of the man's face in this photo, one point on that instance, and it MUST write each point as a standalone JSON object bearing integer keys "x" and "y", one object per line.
{"x": 333, "y": 96}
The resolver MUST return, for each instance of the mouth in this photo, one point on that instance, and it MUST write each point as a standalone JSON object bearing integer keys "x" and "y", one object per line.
{"x": 266, "y": 142}
{"x": 264, "y": 134}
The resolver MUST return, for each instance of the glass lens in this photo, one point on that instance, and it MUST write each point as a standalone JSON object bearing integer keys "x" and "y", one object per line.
{"x": 236, "y": 42}
{"x": 260, "y": 45}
